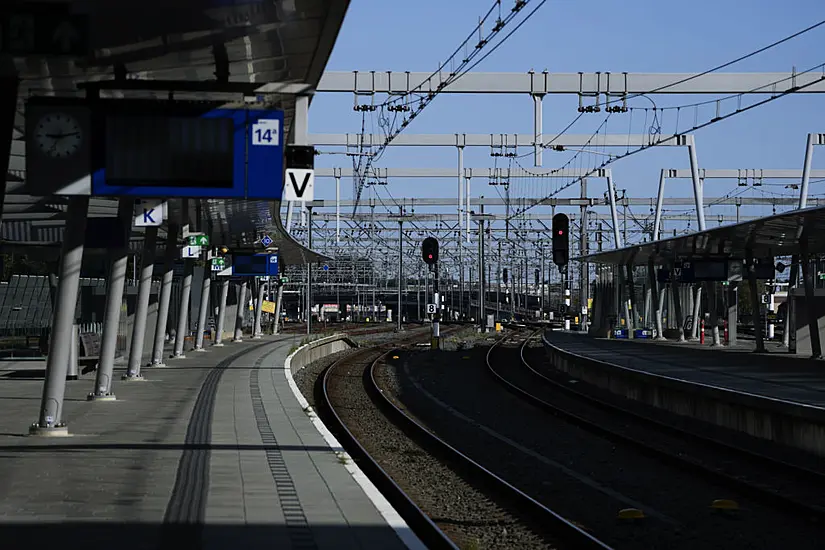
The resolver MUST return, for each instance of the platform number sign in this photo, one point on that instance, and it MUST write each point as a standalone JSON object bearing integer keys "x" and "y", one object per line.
{"x": 266, "y": 132}
{"x": 431, "y": 309}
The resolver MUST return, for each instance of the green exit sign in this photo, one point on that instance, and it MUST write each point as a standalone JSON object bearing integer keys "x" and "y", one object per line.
{"x": 821, "y": 276}
{"x": 198, "y": 240}
{"x": 219, "y": 262}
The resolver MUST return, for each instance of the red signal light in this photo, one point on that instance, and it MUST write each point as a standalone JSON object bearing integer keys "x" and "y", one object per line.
{"x": 561, "y": 232}
{"x": 430, "y": 256}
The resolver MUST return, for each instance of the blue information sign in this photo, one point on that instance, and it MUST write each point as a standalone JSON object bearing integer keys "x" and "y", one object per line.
{"x": 155, "y": 149}
{"x": 255, "y": 265}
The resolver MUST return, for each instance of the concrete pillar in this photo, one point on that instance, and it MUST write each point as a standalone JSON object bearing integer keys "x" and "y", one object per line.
{"x": 72, "y": 373}
{"x": 713, "y": 302}
{"x": 810, "y": 300}
{"x": 697, "y": 311}
{"x": 221, "y": 313}
{"x": 102, "y": 390}
{"x": 257, "y": 333}
{"x": 147, "y": 264}
{"x": 165, "y": 294}
{"x": 733, "y": 312}
{"x": 278, "y": 306}
{"x": 207, "y": 283}
{"x": 50, "y": 420}
{"x": 240, "y": 313}
{"x": 183, "y": 317}
{"x": 755, "y": 302}
{"x": 677, "y": 306}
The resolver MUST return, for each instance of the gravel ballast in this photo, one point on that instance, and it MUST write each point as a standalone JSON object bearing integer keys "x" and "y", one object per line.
{"x": 470, "y": 517}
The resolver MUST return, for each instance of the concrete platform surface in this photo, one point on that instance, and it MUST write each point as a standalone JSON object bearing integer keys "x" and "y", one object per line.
{"x": 212, "y": 451}
{"x": 775, "y": 375}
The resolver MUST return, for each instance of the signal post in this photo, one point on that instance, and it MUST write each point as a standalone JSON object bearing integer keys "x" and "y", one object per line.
{"x": 429, "y": 253}
{"x": 561, "y": 257}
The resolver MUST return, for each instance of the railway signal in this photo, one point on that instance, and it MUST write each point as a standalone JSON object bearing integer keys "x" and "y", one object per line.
{"x": 561, "y": 240}
{"x": 429, "y": 250}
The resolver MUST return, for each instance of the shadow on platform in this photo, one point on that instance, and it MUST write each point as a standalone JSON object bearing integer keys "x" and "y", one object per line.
{"x": 151, "y": 536}
{"x": 57, "y": 447}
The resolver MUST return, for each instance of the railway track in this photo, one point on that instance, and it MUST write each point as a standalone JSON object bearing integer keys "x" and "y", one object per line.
{"x": 448, "y": 499}
{"x": 783, "y": 485}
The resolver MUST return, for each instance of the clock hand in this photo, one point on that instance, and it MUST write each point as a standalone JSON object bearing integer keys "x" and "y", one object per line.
{"x": 61, "y": 136}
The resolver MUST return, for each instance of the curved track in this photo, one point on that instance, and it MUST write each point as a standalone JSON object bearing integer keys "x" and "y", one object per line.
{"x": 496, "y": 497}
{"x": 774, "y": 482}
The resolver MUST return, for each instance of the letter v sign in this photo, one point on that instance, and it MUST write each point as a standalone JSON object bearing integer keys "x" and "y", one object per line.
{"x": 300, "y": 185}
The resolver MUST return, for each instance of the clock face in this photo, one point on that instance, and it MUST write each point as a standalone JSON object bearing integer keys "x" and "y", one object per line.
{"x": 58, "y": 135}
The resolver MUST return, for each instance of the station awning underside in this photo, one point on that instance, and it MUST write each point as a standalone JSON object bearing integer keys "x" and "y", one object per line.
{"x": 777, "y": 235}
{"x": 277, "y": 41}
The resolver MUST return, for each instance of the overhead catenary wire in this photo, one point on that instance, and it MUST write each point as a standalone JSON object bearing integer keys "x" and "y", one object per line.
{"x": 454, "y": 76}
{"x": 661, "y": 140}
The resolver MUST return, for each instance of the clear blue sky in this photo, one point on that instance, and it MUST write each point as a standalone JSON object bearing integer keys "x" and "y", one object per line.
{"x": 572, "y": 36}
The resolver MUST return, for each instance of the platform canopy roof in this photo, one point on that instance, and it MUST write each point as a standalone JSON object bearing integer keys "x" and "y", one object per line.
{"x": 777, "y": 235}
{"x": 286, "y": 41}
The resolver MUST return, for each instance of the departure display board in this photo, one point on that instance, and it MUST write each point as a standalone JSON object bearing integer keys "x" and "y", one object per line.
{"x": 169, "y": 151}
{"x": 255, "y": 265}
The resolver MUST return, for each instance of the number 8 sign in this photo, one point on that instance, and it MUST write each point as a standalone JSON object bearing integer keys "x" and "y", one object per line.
{"x": 266, "y": 132}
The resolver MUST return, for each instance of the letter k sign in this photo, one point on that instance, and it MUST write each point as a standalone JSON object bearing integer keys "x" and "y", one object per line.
{"x": 299, "y": 185}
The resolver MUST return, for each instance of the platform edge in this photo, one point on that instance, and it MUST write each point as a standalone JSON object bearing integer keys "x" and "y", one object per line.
{"x": 387, "y": 511}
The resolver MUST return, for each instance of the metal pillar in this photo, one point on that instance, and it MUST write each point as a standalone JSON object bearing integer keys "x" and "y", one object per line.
{"x": 169, "y": 256}
{"x": 467, "y": 198}
{"x": 482, "y": 322}
{"x": 614, "y": 214}
{"x": 538, "y": 146}
{"x": 806, "y": 170}
{"x": 810, "y": 300}
{"x": 338, "y": 209}
{"x": 400, "y": 272}
{"x": 221, "y": 313}
{"x": 183, "y": 316}
{"x": 102, "y": 390}
{"x": 733, "y": 312}
{"x": 239, "y": 314}
{"x": 656, "y": 299}
{"x": 203, "y": 310}
{"x": 309, "y": 273}
{"x": 257, "y": 333}
{"x": 278, "y": 305}
{"x": 675, "y": 290}
{"x": 755, "y": 302}
{"x": 460, "y": 185}
{"x": 713, "y": 303}
{"x": 630, "y": 285}
{"x": 418, "y": 298}
{"x": 73, "y": 354}
{"x": 289, "y": 211}
{"x": 697, "y": 310}
{"x": 660, "y": 199}
{"x": 793, "y": 279}
{"x": 697, "y": 183}
{"x": 50, "y": 421}
{"x": 147, "y": 264}
{"x": 584, "y": 267}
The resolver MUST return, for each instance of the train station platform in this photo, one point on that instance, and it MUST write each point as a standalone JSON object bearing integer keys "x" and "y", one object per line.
{"x": 774, "y": 375}
{"x": 212, "y": 451}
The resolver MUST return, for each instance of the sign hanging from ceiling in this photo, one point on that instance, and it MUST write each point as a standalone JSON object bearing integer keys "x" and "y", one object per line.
{"x": 299, "y": 185}
{"x": 255, "y": 265}
{"x": 152, "y": 149}
{"x": 43, "y": 29}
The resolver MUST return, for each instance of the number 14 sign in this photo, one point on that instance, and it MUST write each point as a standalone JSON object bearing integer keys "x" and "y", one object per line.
{"x": 266, "y": 132}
